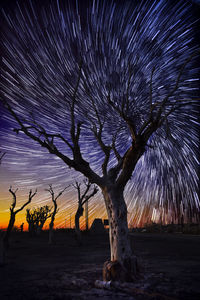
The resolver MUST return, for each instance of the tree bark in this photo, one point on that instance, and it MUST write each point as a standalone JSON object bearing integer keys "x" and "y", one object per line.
{"x": 123, "y": 264}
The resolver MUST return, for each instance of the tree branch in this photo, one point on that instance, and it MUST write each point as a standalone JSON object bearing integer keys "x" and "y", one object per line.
{"x": 98, "y": 131}
{"x": 31, "y": 195}
{"x": 87, "y": 197}
{"x": 81, "y": 198}
{"x": 116, "y": 108}
{"x": 117, "y": 155}
{"x": 88, "y": 185}
{"x": 77, "y": 186}
{"x": 2, "y": 156}
{"x": 45, "y": 134}
{"x": 153, "y": 123}
{"x": 150, "y": 88}
{"x": 72, "y": 108}
{"x": 113, "y": 172}
{"x": 50, "y": 190}
{"x": 176, "y": 84}
{"x": 14, "y": 198}
{"x": 78, "y": 163}
{"x": 125, "y": 101}
{"x": 130, "y": 160}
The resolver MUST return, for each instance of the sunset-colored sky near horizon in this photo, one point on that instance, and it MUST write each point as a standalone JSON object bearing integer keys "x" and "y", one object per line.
{"x": 40, "y": 45}
{"x": 67, "y": 202}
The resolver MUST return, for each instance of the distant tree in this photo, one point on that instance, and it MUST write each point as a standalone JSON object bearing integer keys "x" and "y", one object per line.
{"x": 30, "y": 218}
{"x": 55, "y": 210}
{"x": 82, "y": 199}
{"x": 36, "y": 218}
{"x": 13, "y": 212}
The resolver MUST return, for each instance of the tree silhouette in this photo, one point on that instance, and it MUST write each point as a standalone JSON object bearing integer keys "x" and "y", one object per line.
{"x": 36, "y": 218}
{"x": 13, "y": 213}
{"x": 82, "y": 199}
{"x": 105, "y": 84}
{"x": 55, "y": 210}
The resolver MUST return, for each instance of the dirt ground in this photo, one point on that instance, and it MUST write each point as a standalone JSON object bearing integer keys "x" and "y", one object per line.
{"x": 35, "y": 270}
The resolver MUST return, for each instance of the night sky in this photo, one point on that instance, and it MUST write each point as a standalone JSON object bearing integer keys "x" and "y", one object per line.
{"x": 42, "y": 45}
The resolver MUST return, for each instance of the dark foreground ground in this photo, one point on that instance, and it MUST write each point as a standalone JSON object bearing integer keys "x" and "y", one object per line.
{"x": 35, "y": 270}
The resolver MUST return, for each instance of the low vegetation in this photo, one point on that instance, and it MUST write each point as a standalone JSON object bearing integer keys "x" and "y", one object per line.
{"x": 189, "y": 228}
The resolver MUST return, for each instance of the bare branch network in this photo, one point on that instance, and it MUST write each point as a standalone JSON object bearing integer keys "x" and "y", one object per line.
{"x": 85, "y": 195}
{"x": 121, "y": 172}
{"x": 12, "y": 207}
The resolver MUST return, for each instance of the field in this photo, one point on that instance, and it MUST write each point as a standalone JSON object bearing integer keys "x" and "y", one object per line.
{"x": 35, "y": 270}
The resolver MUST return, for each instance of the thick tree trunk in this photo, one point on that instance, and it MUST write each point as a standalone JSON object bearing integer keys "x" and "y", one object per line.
{"x": 123, "y": 264}
{"x": 78, "y": 214}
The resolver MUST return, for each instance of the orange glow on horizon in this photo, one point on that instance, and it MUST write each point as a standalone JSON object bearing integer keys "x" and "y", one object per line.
{"x": 60, "y": 221}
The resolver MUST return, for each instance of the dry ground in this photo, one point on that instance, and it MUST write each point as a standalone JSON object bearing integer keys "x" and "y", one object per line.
{"x": 34, "y": 270}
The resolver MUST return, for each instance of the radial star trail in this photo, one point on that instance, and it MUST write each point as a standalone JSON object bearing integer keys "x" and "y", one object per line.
{"x": 42, "y": 46}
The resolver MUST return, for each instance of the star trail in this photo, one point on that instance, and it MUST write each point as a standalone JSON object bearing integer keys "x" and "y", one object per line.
{"x": 43, "y": 43}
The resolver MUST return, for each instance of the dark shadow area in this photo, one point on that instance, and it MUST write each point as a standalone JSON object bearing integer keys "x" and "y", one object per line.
{"x": 36, "y": 270}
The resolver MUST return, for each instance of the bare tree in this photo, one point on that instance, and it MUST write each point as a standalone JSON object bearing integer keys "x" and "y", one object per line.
{"x": 36, "y": 218}
{"x": 31, "y": 220}
{"x": 82, "y": 199}
{"x": 11, "y": 223}
{"x": 55, "y": 210}
{"x": 113, "y": 179}
{"x": 13, "y": 213}
{"x": 98, "y": 85}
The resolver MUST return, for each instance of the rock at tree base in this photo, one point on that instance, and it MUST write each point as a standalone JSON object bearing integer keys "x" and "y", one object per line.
{"x": 114, "y": 271}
